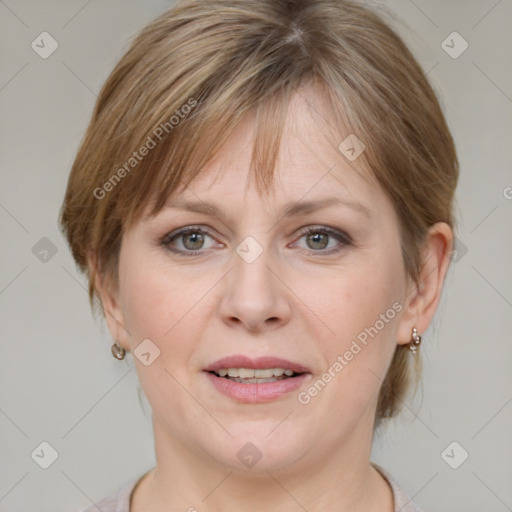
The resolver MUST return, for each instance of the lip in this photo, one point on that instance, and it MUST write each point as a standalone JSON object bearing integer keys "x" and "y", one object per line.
{"x": 256, "y": 393}
{"x": 240, "y": 361}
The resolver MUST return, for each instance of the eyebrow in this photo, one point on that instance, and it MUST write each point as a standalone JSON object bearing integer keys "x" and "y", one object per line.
{"x": 291, "y": 209}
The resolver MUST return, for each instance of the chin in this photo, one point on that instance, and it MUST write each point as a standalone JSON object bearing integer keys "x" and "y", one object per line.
{"x": 259, "y": 450}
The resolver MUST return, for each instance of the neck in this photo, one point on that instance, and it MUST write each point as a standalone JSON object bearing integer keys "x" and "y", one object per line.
{"x": 186, "y": 479}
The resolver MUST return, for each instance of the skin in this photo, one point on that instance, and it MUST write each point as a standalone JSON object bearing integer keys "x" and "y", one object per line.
{"x": 295, "y": 302}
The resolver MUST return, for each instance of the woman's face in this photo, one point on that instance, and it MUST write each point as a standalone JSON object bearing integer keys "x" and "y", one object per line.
{"x": 249, "y": 288}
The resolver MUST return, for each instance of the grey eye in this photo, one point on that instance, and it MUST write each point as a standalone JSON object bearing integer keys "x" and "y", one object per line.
{"x": 193, "y": 240}
{"x": 318, "y": 240}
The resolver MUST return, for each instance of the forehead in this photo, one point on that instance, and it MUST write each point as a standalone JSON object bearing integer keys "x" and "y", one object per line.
{"x": 309, "y": 162}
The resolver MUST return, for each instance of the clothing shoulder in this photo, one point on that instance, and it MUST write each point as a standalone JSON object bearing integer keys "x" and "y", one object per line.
{"x": 402, "y": 501}
{"x": 120, "y": 501}
{"x": 117, "y": 502}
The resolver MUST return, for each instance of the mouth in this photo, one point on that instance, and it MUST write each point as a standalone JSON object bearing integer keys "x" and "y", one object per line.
{"x": 255, "y": 376}
{"x": 256, "y": 380}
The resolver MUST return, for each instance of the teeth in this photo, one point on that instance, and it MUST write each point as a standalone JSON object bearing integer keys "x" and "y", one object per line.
{"x": 264, "y": 374}
{"x": 245, "y": 373}
{"x": 249, "y": 373}
{"x": 255, "y": 381}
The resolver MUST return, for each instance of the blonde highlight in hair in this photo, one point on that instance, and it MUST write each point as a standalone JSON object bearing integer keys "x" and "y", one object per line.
{"x": 227, "y": 59}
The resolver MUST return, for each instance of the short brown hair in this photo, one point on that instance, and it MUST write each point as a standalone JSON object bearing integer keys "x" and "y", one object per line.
{"x": 208, "y": 64}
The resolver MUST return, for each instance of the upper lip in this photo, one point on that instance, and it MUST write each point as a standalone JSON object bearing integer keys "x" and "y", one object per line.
{"x": 240, "y": 361}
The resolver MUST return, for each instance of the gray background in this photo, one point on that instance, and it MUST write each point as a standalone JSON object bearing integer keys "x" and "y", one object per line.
{"x": 58, "y": 380}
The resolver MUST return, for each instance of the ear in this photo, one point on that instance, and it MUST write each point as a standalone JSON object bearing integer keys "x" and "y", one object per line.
{"x": 423, "y": 298}
{"x": 109, "y": 297}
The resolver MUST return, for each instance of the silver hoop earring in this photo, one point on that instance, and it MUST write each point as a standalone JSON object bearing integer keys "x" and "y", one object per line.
{"x": 117, "y": 351}
{"x": 415, "y": 341}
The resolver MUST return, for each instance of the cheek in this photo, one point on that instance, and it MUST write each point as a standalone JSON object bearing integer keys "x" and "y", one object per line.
{"x": 363, "y": 310}
{"x": 167, "y": 306}
{"x": 163, "y": 304}
{"x": 362, "y": 306}
{"x": 359, "y": 298}
{"x": 149, "y": 303}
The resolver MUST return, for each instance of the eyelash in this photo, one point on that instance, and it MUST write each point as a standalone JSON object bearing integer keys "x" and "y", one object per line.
{"x": 342, "y": 237}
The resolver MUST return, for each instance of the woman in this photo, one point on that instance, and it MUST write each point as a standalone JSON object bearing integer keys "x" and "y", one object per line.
{"x": 263, "y": 206}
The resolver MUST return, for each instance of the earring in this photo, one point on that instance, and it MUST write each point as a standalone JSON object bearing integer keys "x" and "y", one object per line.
{"x": 117, "y": 351}
{"x": 415, "y": 341}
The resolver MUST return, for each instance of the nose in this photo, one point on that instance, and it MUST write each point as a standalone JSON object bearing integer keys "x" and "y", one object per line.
{"x": 253, "y": 296}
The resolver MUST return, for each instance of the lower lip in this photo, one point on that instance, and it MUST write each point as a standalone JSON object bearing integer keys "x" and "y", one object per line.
{"x": 257, "y": 393}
